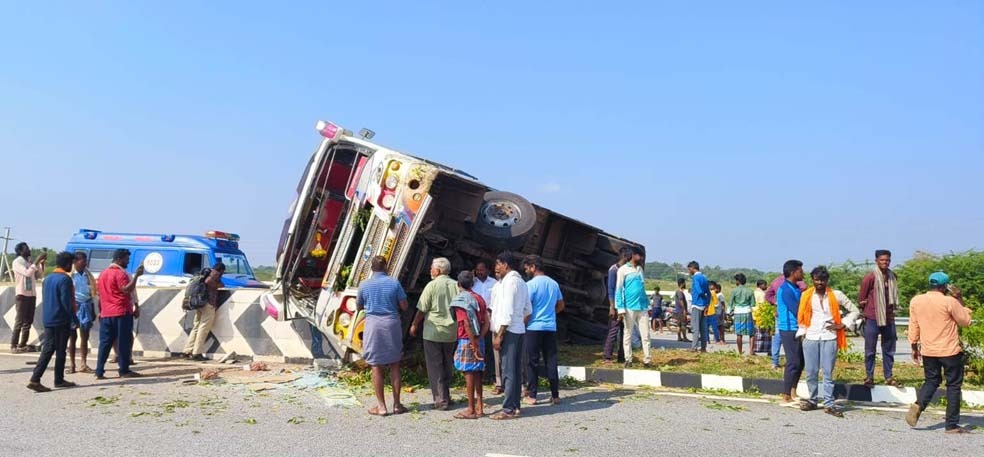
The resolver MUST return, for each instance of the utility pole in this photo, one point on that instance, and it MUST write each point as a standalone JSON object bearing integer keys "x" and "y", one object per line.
{"x": 4, "y": 263}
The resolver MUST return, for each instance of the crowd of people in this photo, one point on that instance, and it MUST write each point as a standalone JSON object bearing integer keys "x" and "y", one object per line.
{"x": 498, "y": 328}
{"x": 458, "y": 320}
{"x": 73, "y": 301}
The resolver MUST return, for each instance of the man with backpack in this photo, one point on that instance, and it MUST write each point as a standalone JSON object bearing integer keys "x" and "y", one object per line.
{"x": 204, "y": 301}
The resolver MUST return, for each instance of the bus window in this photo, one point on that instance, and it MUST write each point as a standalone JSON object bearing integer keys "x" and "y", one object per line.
{"x": 193, "y": 263}
{"x": 100, "y": 259}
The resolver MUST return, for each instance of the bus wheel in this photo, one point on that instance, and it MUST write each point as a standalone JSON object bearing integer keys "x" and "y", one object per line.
{"x": 505, "y": 220}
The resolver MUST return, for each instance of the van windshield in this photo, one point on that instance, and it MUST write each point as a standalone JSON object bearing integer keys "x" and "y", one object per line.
{"x": 235, "y": 264}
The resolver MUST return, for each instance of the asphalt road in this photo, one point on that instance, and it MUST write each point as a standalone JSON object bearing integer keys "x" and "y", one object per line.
{"x": 157, "y": 416}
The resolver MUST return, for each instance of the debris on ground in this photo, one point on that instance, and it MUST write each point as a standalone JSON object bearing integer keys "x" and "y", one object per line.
{"x": 208, "y": 374}
{"x": 244, "y": 377}
{"x": 229, "y": 358}
{"x": 258, "y": 366}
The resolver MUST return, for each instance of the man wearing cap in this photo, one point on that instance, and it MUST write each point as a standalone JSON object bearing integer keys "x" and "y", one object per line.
{"x": 933, "y": 321}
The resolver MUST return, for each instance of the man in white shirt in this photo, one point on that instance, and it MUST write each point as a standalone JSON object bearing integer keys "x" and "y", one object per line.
{"x": 511, "y": 307}
{"x": 823, "y": 332}
{"x": 27, "y": 275}
{"x": 483, "y": 287}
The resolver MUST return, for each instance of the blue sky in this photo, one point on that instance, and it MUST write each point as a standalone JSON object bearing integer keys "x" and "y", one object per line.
{"x": 735, "y": 133}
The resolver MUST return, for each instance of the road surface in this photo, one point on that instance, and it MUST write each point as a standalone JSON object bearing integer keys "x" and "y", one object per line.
{"x": 158, "y": 416}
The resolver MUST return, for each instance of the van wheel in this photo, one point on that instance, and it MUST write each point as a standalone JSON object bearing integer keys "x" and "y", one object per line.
{"x": 505, "y": 220}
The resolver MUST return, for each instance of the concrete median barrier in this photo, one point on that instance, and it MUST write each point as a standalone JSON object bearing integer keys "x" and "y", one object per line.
{"x": 241, "y": 326}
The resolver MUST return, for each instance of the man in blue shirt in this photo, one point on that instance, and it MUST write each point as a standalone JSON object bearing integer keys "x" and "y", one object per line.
{"x": 787, "y": 309}
{"x": 700, "y": 292}
{"x": 541, "y": 330}
{"x": 382, "y": 298}
{"x": 58, "y": 300}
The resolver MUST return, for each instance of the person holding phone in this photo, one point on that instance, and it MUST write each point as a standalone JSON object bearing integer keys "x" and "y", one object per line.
{"x": 26, "y": 275}
{"x": 116, "y": 313}
{"x": 822, "y": 332}
{"x": 934, "y": 319}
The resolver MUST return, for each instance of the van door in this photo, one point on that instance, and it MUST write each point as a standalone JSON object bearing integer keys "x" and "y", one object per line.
{"x": 310, "y": 231}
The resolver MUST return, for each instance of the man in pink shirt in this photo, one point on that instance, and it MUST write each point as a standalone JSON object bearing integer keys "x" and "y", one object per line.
{"x": 116, "y": 313}
{"x": 26, "y": 276}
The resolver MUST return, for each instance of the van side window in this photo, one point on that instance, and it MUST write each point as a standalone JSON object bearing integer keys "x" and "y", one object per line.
{"x": 99, "y": 259}
{"x": 193, "y": 263}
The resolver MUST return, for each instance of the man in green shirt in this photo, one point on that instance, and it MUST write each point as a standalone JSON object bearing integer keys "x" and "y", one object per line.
{"x": 740, "y": 306}
{"x": 440, "y": 330}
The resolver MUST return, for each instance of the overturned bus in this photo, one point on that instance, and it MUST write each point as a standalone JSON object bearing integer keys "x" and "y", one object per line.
{"x": 357, "y": 199}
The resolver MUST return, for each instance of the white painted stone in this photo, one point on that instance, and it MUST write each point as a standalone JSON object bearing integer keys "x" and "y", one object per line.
{"x": 974, "y": 398}
{"x": 729, "y": 383}
{"x": 887, "y": 394}
{"x": 648, "y": 378}
{"x": 577, "y": 373}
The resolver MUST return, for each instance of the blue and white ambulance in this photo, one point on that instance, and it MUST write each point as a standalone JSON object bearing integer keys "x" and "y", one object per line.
{"x": 168, "y": 260}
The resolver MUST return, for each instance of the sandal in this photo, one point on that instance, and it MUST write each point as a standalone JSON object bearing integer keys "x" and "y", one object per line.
{"x": 498, "y": 391}
{"x": 85, "y": 369}
{"x": 808, "y": 406}
{"x": 374, "y": 411}
{"x": 502, "y": 415}
{"x": 400, "y": 410}
{"x": 555, "y": 401}
{"x": 892, "y": 382}
{"x": 529, "y": 401}
{"x": 833, "y": 412}
{"x": 464, "y": 415}
{"x": 869, "y": 383}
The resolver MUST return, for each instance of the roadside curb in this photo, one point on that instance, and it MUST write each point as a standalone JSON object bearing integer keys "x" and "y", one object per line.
{"x": 652, "y": 378}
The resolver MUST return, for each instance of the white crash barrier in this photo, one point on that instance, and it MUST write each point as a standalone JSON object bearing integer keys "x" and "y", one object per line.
{"x": 241, "y": 326}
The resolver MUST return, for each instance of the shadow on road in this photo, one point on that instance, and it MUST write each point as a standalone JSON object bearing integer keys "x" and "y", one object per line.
{"x": 589, "y": 401}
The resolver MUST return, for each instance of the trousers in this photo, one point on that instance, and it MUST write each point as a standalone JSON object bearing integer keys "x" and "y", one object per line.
{"x": 440, "y": 365}
{"x": 54, "y": 341}
{"x": 934, "y": 368}
{"x": 541, "y": 343}
{"x": 888, "y": 339}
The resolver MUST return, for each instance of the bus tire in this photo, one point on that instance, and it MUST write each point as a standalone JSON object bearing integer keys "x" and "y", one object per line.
{"x": 505, "y": 220}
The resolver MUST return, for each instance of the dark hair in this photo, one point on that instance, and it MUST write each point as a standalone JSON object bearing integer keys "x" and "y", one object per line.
{"x": 482, "y": 262}
{"x": 656, "y": 288}
{"x": 378, "y": 263}
{"x": 790, "y": 267}
{"x": 219, "y": 266}
{"x": 881, "y": 252}
{"x": 80, "y": 255}
{"x": 120, "y": 254}
{"x": 693, "y": 264}
{"x": 713, "y": 284}
{"x": 636, "y": 250}
{"x": 625, "y": 253}
{"x": 681, "y": 282}
{"x": 64, "y": 260}
{"x": 533, "y": 261}
{"x": 820, "y": 273}
{"x": 740, "y": 277}
{"x": 466, "y": 280}
{"x": 509, "y": 259}
{"x": 20, "y": 247}
{"x": 760, "y": 282}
